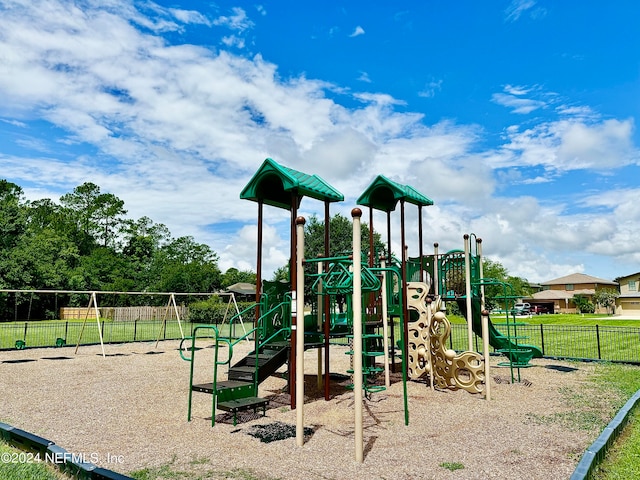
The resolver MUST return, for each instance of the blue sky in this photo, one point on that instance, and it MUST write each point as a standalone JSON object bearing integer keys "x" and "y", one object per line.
{"x": 518, "y": 118}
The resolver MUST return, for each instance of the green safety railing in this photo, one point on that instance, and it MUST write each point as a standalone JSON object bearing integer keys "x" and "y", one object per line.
{"x": 216, "y": 336}
{"x": 259, "y": 333}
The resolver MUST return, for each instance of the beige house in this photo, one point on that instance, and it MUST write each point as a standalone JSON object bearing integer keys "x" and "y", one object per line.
{"x": 629, "y": 301}
{"x": 560, "y": 291}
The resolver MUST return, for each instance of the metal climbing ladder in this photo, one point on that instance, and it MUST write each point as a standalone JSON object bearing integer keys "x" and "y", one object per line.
{"x": 338, "y": 280}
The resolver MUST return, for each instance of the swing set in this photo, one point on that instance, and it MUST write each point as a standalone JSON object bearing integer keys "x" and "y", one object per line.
{"x": 93, "y": 311}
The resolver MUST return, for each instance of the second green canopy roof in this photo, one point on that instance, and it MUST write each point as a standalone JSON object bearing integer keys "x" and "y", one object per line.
{"x": 384, "y": 194}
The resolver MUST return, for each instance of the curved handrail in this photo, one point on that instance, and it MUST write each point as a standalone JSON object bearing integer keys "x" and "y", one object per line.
{"x": 180, "y": 348}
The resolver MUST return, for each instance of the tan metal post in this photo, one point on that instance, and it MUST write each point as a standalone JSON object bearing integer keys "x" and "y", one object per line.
{"x": 356, "y": 213}
{"x": 485, "y": 325}
{"x": 485, "y": 354}
{"x": 300, "y": 332}
{"x": 467, "y": 275}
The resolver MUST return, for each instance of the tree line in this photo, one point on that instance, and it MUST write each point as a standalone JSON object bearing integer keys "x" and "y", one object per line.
{"x": 85, "y": 242}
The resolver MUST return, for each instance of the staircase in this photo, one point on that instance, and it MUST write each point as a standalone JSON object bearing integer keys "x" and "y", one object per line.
{"x": 239, "y": 391}
{"x": 269, "y": 359}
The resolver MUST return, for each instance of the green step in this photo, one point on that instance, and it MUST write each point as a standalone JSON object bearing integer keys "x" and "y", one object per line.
{"x": 241, "y": 404}
{"x": 515, "y": 364}
{"x": 245, "y": 372}
{"x": 367, "y": 370}
{"x": 366, "y": 354}
{"x": 514, "y": 350}
{"x": 226, "y": 390}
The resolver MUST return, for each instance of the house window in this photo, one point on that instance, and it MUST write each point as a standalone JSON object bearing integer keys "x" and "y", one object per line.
{"x": 632, "y": 286}
{"x": 569, "y": 286}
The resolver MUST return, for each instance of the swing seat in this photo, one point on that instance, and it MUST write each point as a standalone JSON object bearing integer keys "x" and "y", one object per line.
{"x": 60, "y": 342}
{"x": 20, "y": 344}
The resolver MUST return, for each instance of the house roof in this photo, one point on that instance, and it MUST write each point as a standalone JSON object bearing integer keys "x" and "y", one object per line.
{"x": 242, "y": 288}
{"x": 577, "y": 279}
{"x": 274, "y": 184}
{"x": 383, "y": 194}
{"x": 561, "y": 294}
{"x": 631, "y": 275}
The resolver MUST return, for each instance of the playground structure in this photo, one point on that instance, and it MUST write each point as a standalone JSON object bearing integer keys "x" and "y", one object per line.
{"x": 380, "y": 290}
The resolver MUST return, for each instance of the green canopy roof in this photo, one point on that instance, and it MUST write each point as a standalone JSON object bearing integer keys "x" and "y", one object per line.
{"x": 273, "y": 184}
{"x": 383, "y": 194}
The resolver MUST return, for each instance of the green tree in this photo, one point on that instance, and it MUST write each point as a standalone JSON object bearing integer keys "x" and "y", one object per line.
{"x": 340, "y": 243}
{"x": 184, "y": 265}
{"x": 12, "y": 220}
{"x": 606, "y": 297}
{"x": 46, "y": 214}
{"x": 142, "y": 240}
{"x": 340, "y": 237}
{"x": 12, "y": 229}
{"x": 82, "y": 205}
{"x": 98, "y": 216}
{"x": 109, "y": 218}
{"x": 583, "y": 304}
{"x": 281, "y": 274}
{"x": 44, "y": 259}
{"x": 233, "y": 275}
{"x": 157, "y": 233}
{"x": 102, "y": 269}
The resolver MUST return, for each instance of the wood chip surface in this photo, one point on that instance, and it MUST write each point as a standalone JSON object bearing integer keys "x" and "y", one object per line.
{"x": 128, "y": 412}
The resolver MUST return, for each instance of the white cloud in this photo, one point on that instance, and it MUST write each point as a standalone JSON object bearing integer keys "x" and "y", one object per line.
{"x": 233, "y": 41}
{"x": 357, "y": 32}
{"x": 189, "y": 16}
{"x": 517, "y": 104}
{"x": 430, "y": 89}
{"x": 364, "y": 77}
{"x": 573, "y": 144}
{"x": 517, "y": 90}
{"x": 15, "y": 123}
{"x": 516, "y": 8}
{"x": 238, "y": 20}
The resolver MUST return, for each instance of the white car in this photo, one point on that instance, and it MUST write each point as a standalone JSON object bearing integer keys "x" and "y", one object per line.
{"x": 522, "y": 308}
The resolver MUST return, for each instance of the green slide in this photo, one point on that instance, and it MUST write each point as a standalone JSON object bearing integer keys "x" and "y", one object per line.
{"x": 518, "y": 354}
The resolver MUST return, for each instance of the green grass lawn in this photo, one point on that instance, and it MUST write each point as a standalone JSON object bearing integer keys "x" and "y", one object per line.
{"x": 44, "y": 333}
{"x": 568, "y": 335}
{"x": 19, "y": 465}
{"x": 623, "y": 458}
{"x": 569, "y": 319}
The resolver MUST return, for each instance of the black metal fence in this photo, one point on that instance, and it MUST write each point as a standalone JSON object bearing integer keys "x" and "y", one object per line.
{"x": 580, "y": 342}
{"x": 610, "y": 343}
{"x": 60, "y": 333}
